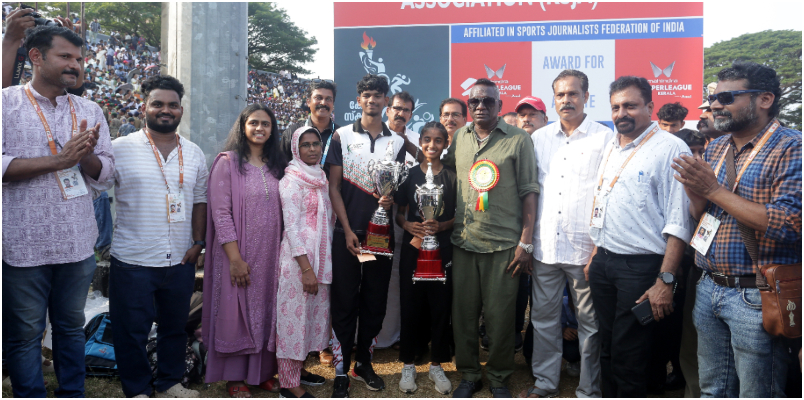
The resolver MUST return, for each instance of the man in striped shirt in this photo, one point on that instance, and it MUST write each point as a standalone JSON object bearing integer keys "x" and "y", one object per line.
{"x": 736, "y": 356}
{"x": 161, "y": 191}
{"x": 568, "y": 153}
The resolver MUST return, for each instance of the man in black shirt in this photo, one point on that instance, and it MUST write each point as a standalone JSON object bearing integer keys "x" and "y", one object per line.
{"x": 320, "y": 101}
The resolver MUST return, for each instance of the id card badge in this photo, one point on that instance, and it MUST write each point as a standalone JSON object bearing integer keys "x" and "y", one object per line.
{"x": 705, "y": 233}
{"x": 599, "y": 211}
{"x": 71, "y": 183}
{"x": 175, "y": 205}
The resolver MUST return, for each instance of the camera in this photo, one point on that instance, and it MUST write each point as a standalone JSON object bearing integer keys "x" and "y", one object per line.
{"x": 38, "y": 20}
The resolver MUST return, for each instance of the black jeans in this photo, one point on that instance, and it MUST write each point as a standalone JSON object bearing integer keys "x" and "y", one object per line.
{"x": 358, "y": 290}
{"x": 421, "y": 301}
{"x": 617, "y": 281}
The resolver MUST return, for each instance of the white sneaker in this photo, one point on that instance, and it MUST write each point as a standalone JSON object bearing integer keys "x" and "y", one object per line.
{"x": 177, "y": 391}
{"x": 442, "y": 384}
{"x": 141, "y": 396}
{"x": 408, "y": 382}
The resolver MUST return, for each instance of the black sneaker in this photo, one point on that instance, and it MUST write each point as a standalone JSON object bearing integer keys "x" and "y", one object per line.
{"x": 501, "y": 391}
{"x": 341, "y": 387}
{"x": 287, "y": 394}
{"x": 365, "y": 373}
{"x": 518, "y": 342}
{"x": 467, "y": 388}
{"x": 312, "y": 380}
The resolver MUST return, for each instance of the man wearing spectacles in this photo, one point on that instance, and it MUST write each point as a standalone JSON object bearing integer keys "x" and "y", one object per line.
{"x": 496, "y": 210}
{"x": 452, "y": 114}
{"x": 321, "y": 101}
{"x": 763, "y": 160}
{"x": 399, "y": 113}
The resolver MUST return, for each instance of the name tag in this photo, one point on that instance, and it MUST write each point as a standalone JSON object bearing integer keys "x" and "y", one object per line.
{"x": 599, "y": 211}
{"x": 71, "y": 183}
{"x": 705, "y": 233}
{"x": 175, "y": 207}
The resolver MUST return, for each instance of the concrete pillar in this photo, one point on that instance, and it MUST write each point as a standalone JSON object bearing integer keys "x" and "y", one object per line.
{"x": 207, "y": 50}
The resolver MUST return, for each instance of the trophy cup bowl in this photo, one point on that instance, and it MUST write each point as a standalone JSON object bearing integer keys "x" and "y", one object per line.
{"x": 386, "y": 175}
{"x": 430, "y": 199}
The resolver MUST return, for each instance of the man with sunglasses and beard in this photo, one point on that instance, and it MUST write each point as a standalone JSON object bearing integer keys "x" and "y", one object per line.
{"x": 640, "y": 230}
{"x": 493, "y": 232}
{"x": 736, "y": 356}
{"x": 321, "y": 101}
{"x": 156, "y": 242}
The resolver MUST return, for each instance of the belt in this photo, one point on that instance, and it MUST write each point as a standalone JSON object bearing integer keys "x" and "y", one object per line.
{"x": 733, "y": 281}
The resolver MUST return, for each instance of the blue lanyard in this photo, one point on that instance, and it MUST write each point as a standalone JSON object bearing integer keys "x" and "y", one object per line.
{"x": 326, "y": 148}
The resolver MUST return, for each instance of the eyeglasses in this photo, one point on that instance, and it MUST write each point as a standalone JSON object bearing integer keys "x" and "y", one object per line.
{"x": 488, "y": 102}
{"x": 401, "y": 109}
{"x": 307, "y": 145}
{"x": 726, "y": 98}
{"x": 454, "y": 115}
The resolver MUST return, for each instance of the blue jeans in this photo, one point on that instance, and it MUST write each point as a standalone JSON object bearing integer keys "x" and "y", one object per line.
{"x": 138, "y": 296}
{"x": 30, "y": 292}
{"x": 736, "y": 357}
{"x": 103, "y": 216}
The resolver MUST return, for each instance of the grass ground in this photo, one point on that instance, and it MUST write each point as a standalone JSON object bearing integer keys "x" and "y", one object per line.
{"x": 386, "y": 364}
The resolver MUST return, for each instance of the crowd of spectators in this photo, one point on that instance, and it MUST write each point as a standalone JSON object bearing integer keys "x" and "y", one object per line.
{"x": 282, "y": 92}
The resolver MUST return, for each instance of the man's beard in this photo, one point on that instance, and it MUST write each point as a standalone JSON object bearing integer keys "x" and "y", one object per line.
{"x": 746, "y": 117}
{"x": 154, "y": 125}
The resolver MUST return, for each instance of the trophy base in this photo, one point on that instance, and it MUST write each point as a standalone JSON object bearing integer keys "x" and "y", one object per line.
{"x": 378, "y": 241}
{"x": 429, "y": 268}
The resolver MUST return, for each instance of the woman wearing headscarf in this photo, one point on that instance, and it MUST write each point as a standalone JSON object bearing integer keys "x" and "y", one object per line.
{"x": 305, "y": 264}
{"x": 244, "y": 222}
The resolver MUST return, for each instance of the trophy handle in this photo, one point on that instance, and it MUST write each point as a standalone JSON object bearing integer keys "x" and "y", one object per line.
{"x": 403, "y": 174}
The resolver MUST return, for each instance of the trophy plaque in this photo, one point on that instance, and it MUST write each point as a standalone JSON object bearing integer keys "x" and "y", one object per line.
{"x": 387, "y": 175}
{"x": 430, "y": 199}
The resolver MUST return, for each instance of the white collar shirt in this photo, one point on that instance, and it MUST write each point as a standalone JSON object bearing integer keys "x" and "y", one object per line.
{"x": 646, "y": 204}
{"x": 567, "y": 175}
{"x": 142, "y": 234}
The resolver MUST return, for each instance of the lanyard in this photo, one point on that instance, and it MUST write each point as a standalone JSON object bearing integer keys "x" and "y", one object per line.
{"x": 329, "y": 139}
{"x": 622, "y": 167}
{"x": 768, "y": 133}
{"x": 50, "y": 141}
{"x": 159, "y": 160}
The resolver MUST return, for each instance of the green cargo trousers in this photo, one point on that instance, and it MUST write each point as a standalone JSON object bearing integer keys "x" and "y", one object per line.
{"x": 481, "y": 282}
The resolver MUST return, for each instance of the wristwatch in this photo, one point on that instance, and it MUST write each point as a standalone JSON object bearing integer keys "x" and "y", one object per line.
{"x": 667, "y": 277}
{"x": 201, "y": 243}
{"x": 527, "y": 247}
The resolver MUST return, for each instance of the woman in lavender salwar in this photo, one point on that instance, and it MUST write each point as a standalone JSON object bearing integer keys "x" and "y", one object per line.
{"x": 305, "y": 264}
{"x": 244, "y": 224}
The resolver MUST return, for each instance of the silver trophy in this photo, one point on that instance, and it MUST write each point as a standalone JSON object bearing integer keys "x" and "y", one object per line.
{"x": 387, "y": 175}
{"x": 430, "y": 198}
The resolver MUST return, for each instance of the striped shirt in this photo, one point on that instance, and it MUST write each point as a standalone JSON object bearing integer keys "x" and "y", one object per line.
{"x": 772, "y": 179}
{"x": 567, "y": 175}
{"x": 142, "y": 234}
{"x": 646, "y": 204}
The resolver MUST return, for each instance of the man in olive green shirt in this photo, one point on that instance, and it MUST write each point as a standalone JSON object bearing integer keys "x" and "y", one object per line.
{"x": 492, "y": 247}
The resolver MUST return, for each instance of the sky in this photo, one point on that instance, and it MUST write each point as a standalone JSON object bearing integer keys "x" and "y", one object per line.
{"x": 723, "y": 20}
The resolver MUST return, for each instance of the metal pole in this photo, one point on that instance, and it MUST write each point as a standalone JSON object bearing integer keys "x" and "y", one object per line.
{"x": 68, "y": 11}
{"x": 83, "y": 24}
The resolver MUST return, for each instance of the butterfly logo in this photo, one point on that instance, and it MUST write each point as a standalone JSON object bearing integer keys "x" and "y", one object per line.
{"x": 658, "y": 71}
{"x": 490, "y": 72}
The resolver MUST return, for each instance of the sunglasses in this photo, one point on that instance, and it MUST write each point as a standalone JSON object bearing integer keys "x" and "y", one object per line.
{"x": 726, "y": 98}
{"x": 488, "y": 102}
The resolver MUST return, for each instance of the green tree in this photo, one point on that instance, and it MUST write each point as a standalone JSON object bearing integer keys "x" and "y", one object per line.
{"x": 780, "y": 50}
{"x": 274, "y": 42}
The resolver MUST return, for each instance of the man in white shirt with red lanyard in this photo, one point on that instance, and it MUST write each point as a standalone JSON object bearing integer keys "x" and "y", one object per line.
{"x": 640, "y": 227}
{"x": 566, "y": 152}
{"x": 161, "y": 192}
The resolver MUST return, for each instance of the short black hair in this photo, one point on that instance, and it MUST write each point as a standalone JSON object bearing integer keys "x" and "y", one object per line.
{"x": 373, "y": 82}
{"x": 573, "y": 72}
{"x": 322, "y": 84}
{"x": 164, "y": 82}
{"x": 624, "y": 82}
{"x": 130, "y": 119}
{"x": 488, "y": 83}
{"x": 435, "y": 125}
{"x": 691, "y": 137}
{"x": 453, "y": 100}
{"x": 758, "y": 76}
{"x": 41, "y": 37}
{"x": 672, "y": 112}
{"x": 404, "y": 96}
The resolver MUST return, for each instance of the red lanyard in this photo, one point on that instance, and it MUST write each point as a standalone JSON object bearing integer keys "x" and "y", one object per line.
{"x": 768, "y": 133}
{"x": 35, "y": 104}
{"x": 622, "y": 167}
{"x": 162, "y": 167}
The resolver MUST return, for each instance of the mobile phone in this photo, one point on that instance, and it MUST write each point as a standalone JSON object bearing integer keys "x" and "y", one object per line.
{"x": 644, "y": 313}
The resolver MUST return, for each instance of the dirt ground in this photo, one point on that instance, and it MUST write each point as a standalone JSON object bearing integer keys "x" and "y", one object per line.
{"x": 386, "y": 364}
